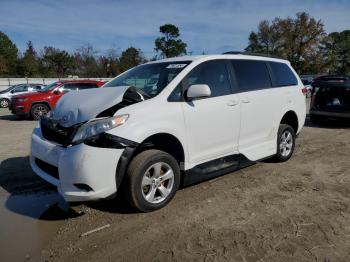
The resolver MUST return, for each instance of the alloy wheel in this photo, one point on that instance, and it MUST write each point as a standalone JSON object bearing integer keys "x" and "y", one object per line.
{"x": 157, "y": 182}
{"x": 286, "y": 143}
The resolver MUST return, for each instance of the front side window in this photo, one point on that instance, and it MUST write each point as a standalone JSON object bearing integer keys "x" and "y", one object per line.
{"x": 282, "y": 74}
{"x": 251, "y": 74}
{"x": 150, "y": 78}
{"x": 212, "y": 73}
{"x": 21, "y": 88}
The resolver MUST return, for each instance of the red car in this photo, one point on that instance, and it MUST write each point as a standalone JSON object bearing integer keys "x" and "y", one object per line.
{"x": 37, "y": 104}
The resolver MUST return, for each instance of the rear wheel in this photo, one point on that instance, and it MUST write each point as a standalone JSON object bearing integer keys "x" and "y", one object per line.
{"x": 152, "y": 180}
{"x": 285, "y": 143}
{"x": 4, "y": 103}
{"x": 39, "y": 110}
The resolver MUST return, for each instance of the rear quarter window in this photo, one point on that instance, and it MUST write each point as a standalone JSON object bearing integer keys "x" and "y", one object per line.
{"x": 282, "y": 75}
{"x": 251, "y": 74}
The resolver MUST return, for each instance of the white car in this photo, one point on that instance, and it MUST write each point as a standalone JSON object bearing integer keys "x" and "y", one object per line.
{"x": 211, "y": 115}
{"x": 6, "y": 95}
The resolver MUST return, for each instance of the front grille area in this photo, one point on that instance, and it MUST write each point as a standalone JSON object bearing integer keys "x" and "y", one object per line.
{"x": 54, "y": 132}
{"x": 47, "y": 168}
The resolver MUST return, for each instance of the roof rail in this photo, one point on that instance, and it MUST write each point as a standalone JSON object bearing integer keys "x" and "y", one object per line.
{"x": 248, "y": 53}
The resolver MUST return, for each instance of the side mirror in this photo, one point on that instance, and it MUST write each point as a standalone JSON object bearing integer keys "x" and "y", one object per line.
{"x": 12, "y": 91}
{"x": 198, "y": 91}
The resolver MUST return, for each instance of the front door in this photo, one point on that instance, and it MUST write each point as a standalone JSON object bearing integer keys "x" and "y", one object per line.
{"x": 212, "y": 124}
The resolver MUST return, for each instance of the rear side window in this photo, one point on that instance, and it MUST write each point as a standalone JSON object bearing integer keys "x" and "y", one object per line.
{"x": 282, "y": 74}
{"x": 79, "y": 86}
{"x": 72, "y": 86}
{"x": 251, "y": 74}
{"x": 212, "y": 73}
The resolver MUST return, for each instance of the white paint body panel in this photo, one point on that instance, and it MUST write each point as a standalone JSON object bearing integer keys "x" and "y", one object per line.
{"x": 207, "y": 129}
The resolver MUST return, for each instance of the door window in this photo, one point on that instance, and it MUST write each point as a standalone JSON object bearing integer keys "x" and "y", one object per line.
{"x": 251, "y": 74}
{"x": 212, "y": 73}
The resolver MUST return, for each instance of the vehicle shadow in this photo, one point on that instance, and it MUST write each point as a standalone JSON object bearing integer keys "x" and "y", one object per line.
{"x": 117, "y": 205}
{"x": 29, "y": 195}
{"x": 329, "y": 123}
{"x": 11, "y": 117}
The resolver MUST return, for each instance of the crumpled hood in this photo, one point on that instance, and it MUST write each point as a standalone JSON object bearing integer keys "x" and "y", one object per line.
{"x": 80, "y": 106}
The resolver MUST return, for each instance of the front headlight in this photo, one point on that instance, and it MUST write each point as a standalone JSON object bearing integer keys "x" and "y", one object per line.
{"x": 96, "y": 127}
{"x": 21, "y": 100}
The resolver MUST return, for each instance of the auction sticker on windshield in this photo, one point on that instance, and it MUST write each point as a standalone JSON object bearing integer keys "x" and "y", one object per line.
{"x": 176, "y": 66}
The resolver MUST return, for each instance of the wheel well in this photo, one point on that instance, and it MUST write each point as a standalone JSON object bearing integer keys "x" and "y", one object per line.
{"x": 41, "y": 102}
{"x": 290, "y": 118}
{"x": 165, "y": 142}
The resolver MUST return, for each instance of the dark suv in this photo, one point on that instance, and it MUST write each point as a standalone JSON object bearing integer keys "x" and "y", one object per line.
{"x": 330, "y": 98}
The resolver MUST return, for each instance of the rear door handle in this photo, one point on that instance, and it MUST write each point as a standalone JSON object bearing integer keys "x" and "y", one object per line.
{"x": 245, "y": 100}
{"x": 232, "y": 103}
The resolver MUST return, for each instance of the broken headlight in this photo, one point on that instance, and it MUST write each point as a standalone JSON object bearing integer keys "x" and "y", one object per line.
{"x": 97, "y": 127}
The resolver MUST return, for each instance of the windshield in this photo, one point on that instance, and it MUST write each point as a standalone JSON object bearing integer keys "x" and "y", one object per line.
{"x": 150, "y": 78}
{"x": 49, "y": 87}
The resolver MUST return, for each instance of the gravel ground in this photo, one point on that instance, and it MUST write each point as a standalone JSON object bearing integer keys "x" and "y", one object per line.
{"x": 293, "y": 211}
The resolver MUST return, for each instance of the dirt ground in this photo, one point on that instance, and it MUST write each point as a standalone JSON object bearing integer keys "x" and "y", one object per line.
{"x": 294, "y": 211}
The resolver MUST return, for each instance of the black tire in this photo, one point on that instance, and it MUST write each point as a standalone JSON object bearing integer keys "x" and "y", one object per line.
{"x": 136, "y": 172}
{"x": 4, "y": 103}
{"x": 282, "y": 131}
{"x": 39, "y": 110}
{"x": 315, "y": 119}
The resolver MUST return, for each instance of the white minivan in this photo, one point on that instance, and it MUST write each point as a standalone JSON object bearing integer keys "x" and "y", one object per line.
{"x": 169, "y": 123}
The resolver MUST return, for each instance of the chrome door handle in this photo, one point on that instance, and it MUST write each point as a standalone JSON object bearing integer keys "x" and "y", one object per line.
{"x": 245, "y": 100}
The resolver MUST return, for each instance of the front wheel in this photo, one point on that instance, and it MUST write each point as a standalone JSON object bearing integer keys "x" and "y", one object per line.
{"x": 152, "y": 180}
{"x": 4, "y": 103}
{"x": 39, "y": 110}
{"x": 285, "y": 143}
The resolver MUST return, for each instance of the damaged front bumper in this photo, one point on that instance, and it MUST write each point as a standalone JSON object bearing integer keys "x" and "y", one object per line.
{"x": 81, "y": 172}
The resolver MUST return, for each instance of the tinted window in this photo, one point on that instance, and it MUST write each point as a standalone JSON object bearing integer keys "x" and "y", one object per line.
{"x": 37, "y": 87}
{"x": 87, "y": 85}
{"x": 282, "y": 74}
{"x": 72, "y": 86}
{"x": 251, "y": 74}
{"x": 214, "y": 74}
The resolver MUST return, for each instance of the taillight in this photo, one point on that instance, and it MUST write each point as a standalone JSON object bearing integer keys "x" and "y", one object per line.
{"x": 304, "y": 91}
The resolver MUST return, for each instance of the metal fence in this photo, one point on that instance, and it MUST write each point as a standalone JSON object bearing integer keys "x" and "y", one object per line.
{"x": 7, "y": 82}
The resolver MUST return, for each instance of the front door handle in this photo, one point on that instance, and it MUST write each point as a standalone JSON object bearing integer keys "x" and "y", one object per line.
{"x": 245, "y": 100}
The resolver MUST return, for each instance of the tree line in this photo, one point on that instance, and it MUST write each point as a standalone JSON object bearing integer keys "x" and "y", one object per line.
{"x": 302, "y": 40}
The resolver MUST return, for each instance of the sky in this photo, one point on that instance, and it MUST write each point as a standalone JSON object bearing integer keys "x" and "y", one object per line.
{"x": 210, "y": 26}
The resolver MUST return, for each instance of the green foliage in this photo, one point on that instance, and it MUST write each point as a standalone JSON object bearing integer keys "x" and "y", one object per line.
{"x": 8, "y": 55}
{"x": 169, "y": 45}
{"x": 56, "y": 62}
{"x": 295, "y": 39}
{"x": 336, "y": 51}
{"x": 29, "y": 64}
{"x": 85, "y": 63}
{"x": 131, "y": 57}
